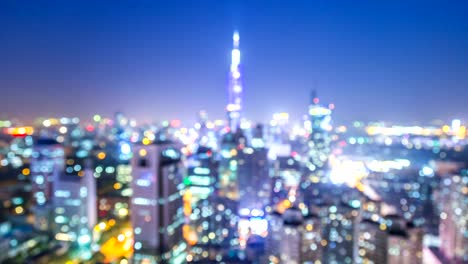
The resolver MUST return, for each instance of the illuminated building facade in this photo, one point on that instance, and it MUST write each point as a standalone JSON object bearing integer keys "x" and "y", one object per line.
{"x": 311, "y": 248}
{"x": 340, "y": 227}
{"x": 285, "y": 173}
{"x": 216, "y": 230}
{"x": 47, "y": 163}
{"x": 293, "y": 238}
{"x": 254, "y": 183}
{"x": 454, "y": 217}
{"x": 405, "y": 241}
{"x": 202, "y": 174}
{"x": 372, "y": 242}
{"x": 320, "y": 139}
{"x": 75, "y": 207}
{"x": 228, "y": 164}
{"x": 235, "y": 87}
{"x": 157, "y": 202}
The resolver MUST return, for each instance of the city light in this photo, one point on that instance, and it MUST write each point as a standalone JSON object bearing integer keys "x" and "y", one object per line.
{"x": 142, "y": 136}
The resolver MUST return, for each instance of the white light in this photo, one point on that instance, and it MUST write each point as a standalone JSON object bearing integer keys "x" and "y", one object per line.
{"x": 46, "y": 123}
{"x": 236, "y": 74}
{"x": 236, "y": 37}
{"x": 137, "y": 245}
{"x": 244, "y": 211}
{"x": 258, "y": 226}
{"x": 235, "y": 58}
{"x": 456, "y": 123}
{"x": 237, "y": 88}
{"x": 125, "y": 149}
{"x": 256, "y": 212}
{"x": 427, "y": 171}
{"x": 84, "y": 239}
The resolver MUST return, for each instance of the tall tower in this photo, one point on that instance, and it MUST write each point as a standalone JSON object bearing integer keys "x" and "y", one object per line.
{"x": 235, "y": 88}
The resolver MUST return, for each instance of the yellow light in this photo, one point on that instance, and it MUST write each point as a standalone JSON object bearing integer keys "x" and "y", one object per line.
{"x": 146, "y": 141}
{"x": 446, "y": 129}
{"x": 233, "y": 152}
{"x": 19, "y": 210}
{"x": 461, "y": 134}
{"x": 315, "y": 179}
{"x": 26, "y": 171}
{"x": 101, "y": 155}
{"x": 123, "y": 212}
{"x": 142, "y": 152}
{"x": 117, "y": 185}
{"x": 383, "y": 227}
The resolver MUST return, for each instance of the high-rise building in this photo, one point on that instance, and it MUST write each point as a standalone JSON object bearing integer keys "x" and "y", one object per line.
{"x": 404, "y": 241}
{"x": 202, "y": 174}
{"x": 454, "y": 217}
{"x": 340, "y": 228}
{"x": 285, "y": 173}
{"x": 319, "y": 143}
{"x": 157, "y": 203}
{"x": 235, "y": 88}
{"x": 293, "y": 238}
{"x": 75, "y": 207}
{"x": 253, "y": 180}
{"x": 372, "y": 242}
{"x": 311, "y": 248}
{"x": 47, "y": 163}
{"x": 228, "y": 164}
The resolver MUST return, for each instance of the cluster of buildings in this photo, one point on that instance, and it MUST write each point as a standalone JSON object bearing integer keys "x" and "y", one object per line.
{"x": 230, "y": 191}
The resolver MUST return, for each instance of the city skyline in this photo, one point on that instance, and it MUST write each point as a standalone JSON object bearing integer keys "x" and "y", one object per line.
{"x": 233, "y": 132}
{"x": 168, "y": 61}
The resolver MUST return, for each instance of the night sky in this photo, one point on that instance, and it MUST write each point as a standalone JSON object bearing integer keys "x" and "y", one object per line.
{"x": 155, "y": 60}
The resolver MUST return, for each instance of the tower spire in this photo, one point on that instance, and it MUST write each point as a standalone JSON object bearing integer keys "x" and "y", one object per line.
{"x": 235, "y": 88}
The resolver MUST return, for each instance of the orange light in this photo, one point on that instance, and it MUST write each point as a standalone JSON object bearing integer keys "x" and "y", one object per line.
{"x": 117, "y": 186}
{"x": 111, "y": 222}
{"x": 101, "y": 155}
{"x": 19, "y": 131}
{"x": 26, "y": 171}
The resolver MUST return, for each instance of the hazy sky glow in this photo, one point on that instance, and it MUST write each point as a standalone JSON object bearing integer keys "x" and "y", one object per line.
{"x": 398, "y": 60}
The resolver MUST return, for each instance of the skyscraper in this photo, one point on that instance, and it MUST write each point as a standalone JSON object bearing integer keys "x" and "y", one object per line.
{"x": 235, "y": 87}
{"x": 75, "y": 208}
{"x": 404, "y": 241}
{"x": 156, "y": 205}
{"x": 453, "y": 217}
{"x": 319, "y": 143}
{"x": 47, "y": 163}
